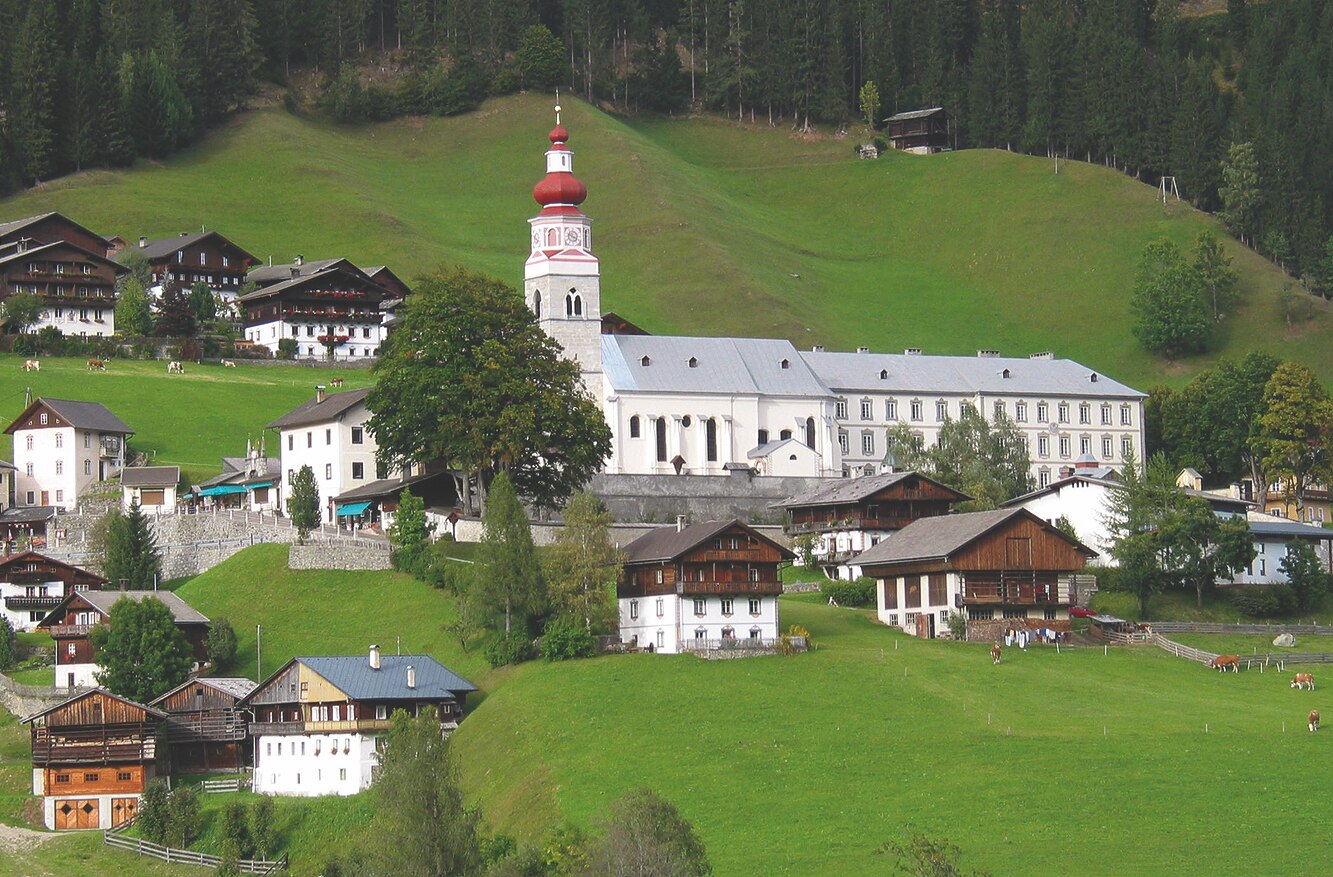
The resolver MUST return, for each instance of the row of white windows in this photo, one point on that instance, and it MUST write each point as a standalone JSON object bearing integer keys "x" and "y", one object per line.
{"x": 32, "y": 500}
{"x": 358, "y": 473}
{"x": 202, "y": 278}
{"x": 36, "y": 267}
{"x": 30, "y": 470}
{"x": 60, "y": 438}
{"x": 203, "y": 258}
{"x": 728, "y": 606}
{"x": 337, "y": 330}
{"x": 978, "y": 613}
{"x": 999, "y": 409}
{"x": 358, "y": 438}
{"x": 319, "y": 776}
{"x": 98, "y": 314}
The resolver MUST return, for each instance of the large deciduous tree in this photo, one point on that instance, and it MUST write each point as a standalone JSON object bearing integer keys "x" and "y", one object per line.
{"x": 1305, "y": 573}
{"x": 421, "y": 825}
{"x": 1170, "y": 314}
{"x": 1295, "y": 430}
{"x": 132, "y": 312}
{"x": 469, "y": 378}
{"x": 21, "y": 311}
{"x": 647, "y": 836}
{"x": 141, "y": 650}
{"x": 986, "y": 460}
{"x": 540, "y": 58}
{"x": 1215, "y": 271}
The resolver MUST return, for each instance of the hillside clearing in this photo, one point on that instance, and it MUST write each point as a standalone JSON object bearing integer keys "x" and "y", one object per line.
{"x": 709, "y": 227}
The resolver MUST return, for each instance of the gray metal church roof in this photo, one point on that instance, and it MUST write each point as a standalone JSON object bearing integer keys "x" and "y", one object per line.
{"x": 744, "y": 366}
{"x": 908, "y": 373}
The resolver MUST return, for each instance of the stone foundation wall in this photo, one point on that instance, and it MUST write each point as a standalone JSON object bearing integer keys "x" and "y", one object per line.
{"x": 659, "y": 498}
{"x": 993, "y": 631}
{"x": 326, "y": 555}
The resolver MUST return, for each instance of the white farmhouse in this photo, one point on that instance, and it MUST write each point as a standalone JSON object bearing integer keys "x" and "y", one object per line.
{"x": 61, "y": 447}
{"x": 711, "y": 585}
{"x": 32, "y": 584}
{"x": 329, "y": 435}
{"x": 318, "y": 721}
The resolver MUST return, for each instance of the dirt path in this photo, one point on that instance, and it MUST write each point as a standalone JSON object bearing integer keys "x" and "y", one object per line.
{"x": 15, "y": 840}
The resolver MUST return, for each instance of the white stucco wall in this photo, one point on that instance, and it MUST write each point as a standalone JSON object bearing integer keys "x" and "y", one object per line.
{"x": 670, "y": 622}
{"x": 328, "y": 449}
{"x": 309, "y": 765}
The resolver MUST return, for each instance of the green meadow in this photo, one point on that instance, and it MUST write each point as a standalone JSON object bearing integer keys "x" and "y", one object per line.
{"x": 708, "y": 227}
{"x": 188, "y": 420}
{"x": 1051, "y": 763}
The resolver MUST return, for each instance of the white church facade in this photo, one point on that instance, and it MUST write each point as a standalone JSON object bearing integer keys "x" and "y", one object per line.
{"x": 680, "y": 405}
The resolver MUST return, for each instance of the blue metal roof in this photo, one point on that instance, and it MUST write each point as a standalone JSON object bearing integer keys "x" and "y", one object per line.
{"x": 354, "y": 676}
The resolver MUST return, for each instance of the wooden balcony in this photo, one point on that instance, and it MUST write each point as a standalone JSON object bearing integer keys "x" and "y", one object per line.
{"x": 48, "y": 749}
{"x": 346, "y": 726}
{"x": 852, "y": 524}
{"x": 70, "y": 631}
{"x": 1014, "y": 592}
{"x": 196, "y": 728}
{"x": 729, "y": 555}
{"x": 258, "y": 729}
{"x": 23, "y": 601}
{"x": 724, "y": 588}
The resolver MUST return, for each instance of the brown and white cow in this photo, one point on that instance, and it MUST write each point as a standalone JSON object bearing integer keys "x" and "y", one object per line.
{"x": 1314, "y": 720}
{"x": 175, "y": 368}
{"x": 995, "y": 653}
{"x": 227, "y": 363}
{"x": 1223, "y": 663}
{"x": 1303, "y": 680}
{"x": 96, "y": 365}
{"x": 32, "y": 365}
{"x": 337, "y": 382}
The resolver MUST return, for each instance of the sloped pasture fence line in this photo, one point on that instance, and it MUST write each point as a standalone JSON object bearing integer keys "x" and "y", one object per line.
{"x": 115, "y": 837}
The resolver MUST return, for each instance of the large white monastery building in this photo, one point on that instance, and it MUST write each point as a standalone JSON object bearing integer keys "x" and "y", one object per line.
{"x": 704, "y": 406}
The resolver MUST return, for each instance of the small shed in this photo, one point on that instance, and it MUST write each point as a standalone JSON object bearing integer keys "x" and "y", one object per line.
{"x": 922, "y": 132}
{"x": 152, "y": 488}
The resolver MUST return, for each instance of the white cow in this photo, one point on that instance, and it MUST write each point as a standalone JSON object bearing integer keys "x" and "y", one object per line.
{"x": 175, "y": 368}
{"x": 32, "y": 365}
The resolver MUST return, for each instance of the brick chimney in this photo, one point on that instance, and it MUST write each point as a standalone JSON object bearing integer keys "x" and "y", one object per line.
{"x": 374, "y": 657}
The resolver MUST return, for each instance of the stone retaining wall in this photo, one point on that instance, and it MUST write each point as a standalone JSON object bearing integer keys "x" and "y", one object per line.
{"x": 659, "y": 498}
{"x": 325, "y": 555}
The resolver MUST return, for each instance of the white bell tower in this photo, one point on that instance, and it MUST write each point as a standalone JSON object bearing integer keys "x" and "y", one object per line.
{"x": 562, "y": 277}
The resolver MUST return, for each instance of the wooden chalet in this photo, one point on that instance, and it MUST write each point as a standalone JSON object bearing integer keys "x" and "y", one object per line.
{"x": 700, "y": 586}
{"x": 852, "y": 515}
{"x": 24, "y": 527}
{"x": 201, "y": 257}
{"x": 71, "y": 621}
{"x": 33, "y": 584}
{"x": 67, "y": 265}
{"x": 392, "y": 283}
{"x": 316, "y": 722}
{"x": 204, "y": 727}
{"x": 91, "y": 757}
{"x": 1005, "y": 570}
{"x": 921, "y": 131}
{"x": 334, "y": 307}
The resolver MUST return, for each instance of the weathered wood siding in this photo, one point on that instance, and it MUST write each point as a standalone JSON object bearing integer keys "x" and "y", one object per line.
{"x": 95, "y": 710}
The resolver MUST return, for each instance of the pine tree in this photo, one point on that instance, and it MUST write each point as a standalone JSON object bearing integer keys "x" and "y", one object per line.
{"x": 583, "y": 566}
{"x": 175, "y": 312}
{"x": 35, "y": 87}
{"x": 508, "y": 584}
{"x": 1240, "y": 191}
{"x": 222, "y": 43}
{"x": 203, "y": 303}
{"x": 303, "y": 502}
{"x": 132, "y": 556}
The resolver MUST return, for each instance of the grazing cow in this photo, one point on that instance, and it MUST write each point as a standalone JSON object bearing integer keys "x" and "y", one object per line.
{"x": 32, "y": 365}
{"x": 1303, "y": 680}
{"x": 175, "y": 368}
{"x": 1223, "y": 663}
{"x": 1314, "y": 720}
{"x": 227, "y": 363}
{"x": 337, "y": 382}
{"x": 995, "y": 653}
{"x": 96, "y": 365}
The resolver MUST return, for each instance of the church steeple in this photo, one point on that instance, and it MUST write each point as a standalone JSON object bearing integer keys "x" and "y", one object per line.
{"x": 562, "y": 282}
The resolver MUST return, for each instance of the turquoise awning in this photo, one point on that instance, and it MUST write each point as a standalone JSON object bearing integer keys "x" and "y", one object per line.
{"x": 222, "y": 490}
{"x": 260, "y": 484}
{"x": 352, "y": 508}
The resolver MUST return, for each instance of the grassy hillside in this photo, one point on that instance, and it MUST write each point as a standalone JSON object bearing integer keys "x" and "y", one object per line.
{"x": 707, "y": 227}
{"x": 188, "y": 420}
{"x": 1047, "y": 764}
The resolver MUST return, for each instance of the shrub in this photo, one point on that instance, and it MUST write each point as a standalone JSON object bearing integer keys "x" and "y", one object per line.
{"x": 564, "y": 639}
{"x": 182, "y": 817}
{"x": 221, "y": 643}
{"x": 236, "y": 828}
{"x": 261, "y": 827}
{"x": 6, "y": 644}
{"x": 287, "y": 348}
{"x": 1268, "y": 601}
{"x": 957, "y": 625}
{"x": 881, "y": 144}
{"x": 152, "y": 819}
{"x": 511, "y": 648}
{"x": 860, "y": 592}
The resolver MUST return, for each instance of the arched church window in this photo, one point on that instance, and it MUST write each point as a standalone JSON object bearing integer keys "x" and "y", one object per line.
{"x": 884, "y": 374}
{"x": 578, "y": 305}
{"x": 552, "y": 237}
{"x": 537, "y": 304}
{"x": 810, "y": 432}
{"x": 710, "y": 435}
{"x": 661, "y": 440}
{"x": 784, "y": 434}
{"x": 569, "y": 305}
{"x": 693, "y": 363}
{"x": 786, "y": 363}
{"x": 634, "y": 426}
{"x": 686, "y": 421}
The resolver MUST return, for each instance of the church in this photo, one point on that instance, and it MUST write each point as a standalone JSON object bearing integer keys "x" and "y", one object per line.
{"x": 680, "y": 405}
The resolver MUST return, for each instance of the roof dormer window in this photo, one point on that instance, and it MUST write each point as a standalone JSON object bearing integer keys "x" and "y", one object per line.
{"x": 646, "y": 361}
{"x": 693, "y": 363}
{"x": 786, "y": 363}
{"x": 1005, "y": 374}
{"x": 883, "y": 374}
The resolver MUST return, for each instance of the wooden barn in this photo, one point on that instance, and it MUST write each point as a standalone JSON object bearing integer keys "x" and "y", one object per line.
{"x": 853, "y": 515}
{"x": 91, "y": 757}
{"x": 205, "y": 729}
{"x": 1004, "y": 570}
{"x": 923, "y": 132}
{"x": 709, "y": 585}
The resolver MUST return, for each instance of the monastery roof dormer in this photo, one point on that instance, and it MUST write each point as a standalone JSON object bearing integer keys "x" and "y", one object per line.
{"x": 559, "y": 188}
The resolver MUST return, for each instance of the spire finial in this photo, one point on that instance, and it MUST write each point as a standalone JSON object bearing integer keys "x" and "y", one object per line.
{"x": 557, "y": 106}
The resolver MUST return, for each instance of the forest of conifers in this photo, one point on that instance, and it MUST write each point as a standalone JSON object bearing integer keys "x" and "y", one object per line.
{"x": 1130, "y": 83}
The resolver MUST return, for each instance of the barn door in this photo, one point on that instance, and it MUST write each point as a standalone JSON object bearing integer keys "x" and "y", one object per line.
{"x": 123, "y": 810}
{"x": 1018, "y": 554}
{"x": 923, "y": 625}
{"x": 76, "y": 814}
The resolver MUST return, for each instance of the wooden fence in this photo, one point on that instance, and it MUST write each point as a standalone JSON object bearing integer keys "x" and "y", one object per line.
{"x": 1278, "y": 661}
{"x": 47, "y": 691}
{"x": 116, "y": 838}
{"x": 235, "y": 784}
{"x": 1274, "y": 629}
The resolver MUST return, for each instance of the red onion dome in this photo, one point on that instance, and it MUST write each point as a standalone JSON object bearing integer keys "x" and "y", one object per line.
{"x": 558, "y": 134}
{"x": 560, "y": 187}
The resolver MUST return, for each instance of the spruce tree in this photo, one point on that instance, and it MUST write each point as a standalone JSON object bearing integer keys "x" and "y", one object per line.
{"x": 35, "y": 88}
{"x": 508, "y": 583}
{"x": 303, "y": 502}
{"x": 132, "y": 556}
{"x": 175, "y": 312}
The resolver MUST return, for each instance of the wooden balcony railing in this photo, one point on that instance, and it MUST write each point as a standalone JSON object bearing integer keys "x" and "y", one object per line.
{"x": 1014, "y": 593}
{"x": 715, "y": 587}
{"x": 741, "y": 555}
{"x": 260, "y": 728}
{"x": 23, "y": 601}
{"x": 46, "y": 750}
{"x": 66, "y": 631}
